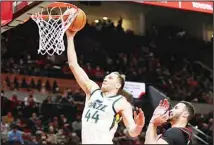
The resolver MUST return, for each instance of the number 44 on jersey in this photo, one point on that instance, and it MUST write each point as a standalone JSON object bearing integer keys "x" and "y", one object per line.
{"x": 94, "y": 116}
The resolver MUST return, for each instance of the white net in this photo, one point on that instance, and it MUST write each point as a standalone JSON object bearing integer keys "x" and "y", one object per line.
{"x": 52, "y": 30}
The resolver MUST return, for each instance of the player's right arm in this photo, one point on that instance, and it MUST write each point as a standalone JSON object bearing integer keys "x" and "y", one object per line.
{"x": 81, "y": 77}
{"x": 134, "y": 125}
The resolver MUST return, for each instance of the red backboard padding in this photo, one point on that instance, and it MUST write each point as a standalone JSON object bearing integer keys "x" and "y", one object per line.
{"x": 6, "y": 12}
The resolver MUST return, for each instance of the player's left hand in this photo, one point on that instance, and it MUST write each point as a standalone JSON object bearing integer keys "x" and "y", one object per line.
{"x": 139, "y": 117}
{"x": 162, "y": 108}
{"x": 161, "y": 113}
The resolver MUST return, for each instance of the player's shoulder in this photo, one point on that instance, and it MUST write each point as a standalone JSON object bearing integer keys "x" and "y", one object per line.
{"x": 124, "y": 99}
{"x": 180, "y": 130}
{"x": 121, "y": 102}
{"x": 119, "y": 99}
{"x": 174, "y": 130}
{"x": 176, "y": 135}
{"x": 95, "y": 90}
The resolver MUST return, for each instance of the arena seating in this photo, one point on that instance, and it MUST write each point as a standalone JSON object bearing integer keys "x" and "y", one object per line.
{"x": 107, "y": 48}
{"x": 101, "y": 48}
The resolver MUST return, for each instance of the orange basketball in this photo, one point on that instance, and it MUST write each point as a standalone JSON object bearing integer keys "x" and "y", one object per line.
{"x": 79, "y": 21}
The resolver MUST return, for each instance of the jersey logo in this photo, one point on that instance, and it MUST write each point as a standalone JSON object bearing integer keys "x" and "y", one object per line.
{"x": 98, "y": 105}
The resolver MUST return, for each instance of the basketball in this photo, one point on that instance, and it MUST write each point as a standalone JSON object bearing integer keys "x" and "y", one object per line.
{"x": 79, "y": 21}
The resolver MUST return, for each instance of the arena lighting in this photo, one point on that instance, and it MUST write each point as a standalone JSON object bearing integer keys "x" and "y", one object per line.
{"x": 96, "y": 21}
{"x": 105, "y": 18}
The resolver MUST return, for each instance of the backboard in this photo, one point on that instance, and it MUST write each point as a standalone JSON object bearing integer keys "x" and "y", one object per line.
{"x": 21, "y": 11}
{"x": 6, "y": 12}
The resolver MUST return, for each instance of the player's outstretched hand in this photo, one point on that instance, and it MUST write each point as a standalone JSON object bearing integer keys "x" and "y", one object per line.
{"x": 162, "y": 107}
{"x": 161, "y": 113}
{"x": 139, "y": 117}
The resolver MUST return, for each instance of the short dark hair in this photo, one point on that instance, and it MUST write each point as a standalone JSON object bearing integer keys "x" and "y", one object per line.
{"x": 13, "y": 126}
{"x": 190, "y": 108}
{"x": 121, "y": 79}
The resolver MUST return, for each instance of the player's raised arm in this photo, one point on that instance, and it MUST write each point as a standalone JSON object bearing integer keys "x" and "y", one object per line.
{"x": 81, "y": 77}
{"x": 135, "y": 125}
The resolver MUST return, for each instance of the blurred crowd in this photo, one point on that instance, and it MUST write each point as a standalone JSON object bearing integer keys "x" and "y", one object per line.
{"x": 157, "y": 58}
{"x": 56, "y": 120}
{"x": 165, "y": 57}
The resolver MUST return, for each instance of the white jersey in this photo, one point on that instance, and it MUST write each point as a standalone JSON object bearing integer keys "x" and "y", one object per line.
{"x": 99, "y": 119}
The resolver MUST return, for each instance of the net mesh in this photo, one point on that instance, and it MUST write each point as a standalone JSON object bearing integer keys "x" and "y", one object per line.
{"x": 52, "y": 30}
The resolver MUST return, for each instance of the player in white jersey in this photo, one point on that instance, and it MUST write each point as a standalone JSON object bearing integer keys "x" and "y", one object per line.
{"x": 104, "y": 106}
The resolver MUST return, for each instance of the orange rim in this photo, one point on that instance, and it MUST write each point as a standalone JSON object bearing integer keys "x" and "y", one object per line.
{"x": 56, "y": 4}
{"x": 45, "y": 17}
{"x": 61, "y": 5}
{"x": 52, "y": 16}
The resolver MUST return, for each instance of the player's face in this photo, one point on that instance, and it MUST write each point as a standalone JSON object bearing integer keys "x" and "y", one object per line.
{"x": 110, "y": 82}
{"x": 177, "y": 111}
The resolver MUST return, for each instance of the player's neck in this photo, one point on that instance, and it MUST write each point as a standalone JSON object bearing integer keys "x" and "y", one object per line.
{"x": 109, "y": 94}
{"x": 178, "y": 124}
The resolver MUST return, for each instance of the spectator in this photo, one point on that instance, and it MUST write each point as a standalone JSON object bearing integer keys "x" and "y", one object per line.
{"x": 32, "y": 84}
{"x": 34, "y": 117}
{"x": 39, "y": 84}
{"x": 14, "y": 102}
{"x": 16, "y": 83}
{"x": 38, "y": 128}
{"x": 15, "y": 136}
{"x": 63, "y": 120}
{"x": 54, "y": 86}
{"x": 61, "y": 138}
{"x": 52, "y": 138}
{"x": 43, "y": 138}
{"x": 30, "y": 100}
{"x": 76, "y": 125}
{"x": 74, "y": 138}
{"x": 14, "y": 98}
{"x": 8, "y": 82}
{"x": 9, "y": 118}
{"x": 88, "y": 69}
{"x": 34, "y": 141}
{"x": 20, "y": 124}
{"x": 43, "y": 89}
{"x": 24, "y": 83}
{"x": 47, "y": 85}
{"x": 4, "y": 128}
{"x": 98, "y": 73}
{"x": 56, "y": 123}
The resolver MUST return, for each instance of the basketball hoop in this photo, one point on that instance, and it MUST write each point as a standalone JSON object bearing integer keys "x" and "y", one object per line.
{"x": 52, "y": 27}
